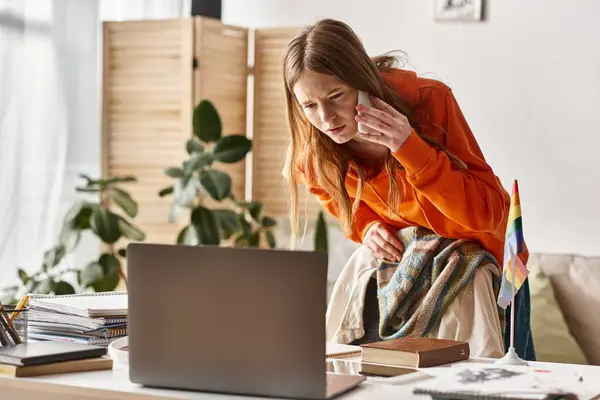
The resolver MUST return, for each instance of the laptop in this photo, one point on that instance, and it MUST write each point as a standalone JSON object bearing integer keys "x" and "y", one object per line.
{"x": 230, "y": 320}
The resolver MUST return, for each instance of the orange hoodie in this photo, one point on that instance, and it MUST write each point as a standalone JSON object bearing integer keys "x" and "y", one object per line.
{"x": 469, "y": 204}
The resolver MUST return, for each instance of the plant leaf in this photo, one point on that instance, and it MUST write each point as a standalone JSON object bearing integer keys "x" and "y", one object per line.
{"x": 53, "y": 256}
{"x": 193, "y": 146}
{"x": 182, "y": 197}
{"x": 184, "y": 193}
{"x": 229, "y": 222}
{"x": 124, "y": 200}
{"x": 91, "y": 273}
{"x": 254, "y": 240}
{"x": 174, "y": 172}
{"x": 268, "y": 222}
{"x": 185, "y": 179}
{"x": 321, "y": 233}
{"x": 254, "y": 207}
{"x": 166, "y": 191}
{"x": 241, "y": 241}
{"x": 32, "y": 286}
{"x": 69, "y": 238}
{"x": 232, "y": 148}
{"x": 130, "y": 231}
{"x": 107, "y": 284}
{"x": 174, "y": 212}
{"x": 79, "y": 215}
{"x": 46, "y": 286}
{"x": 246, "y": 228}
{"x": 76, "y": 220}
{"x": 216, "y": 183}
{"x": 270, "y": 239}
{"x": 207, "y": 122}
{"x": 63, "y": 287}
{"x": 110, "y": 264}
{"x": 105, "y": 224}
{"x": 89, "y": 181}
{"x": 205, "y": 223}
{"x": 23, "y": 276}
{"x": 188, "y": 236}
{"x": 86, "y": 190}
{"x": 116, "y": 180}
{"x": 199, "y": 161}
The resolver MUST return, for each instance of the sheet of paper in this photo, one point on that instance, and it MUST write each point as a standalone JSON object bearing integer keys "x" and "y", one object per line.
{"x": 493, "y": 378}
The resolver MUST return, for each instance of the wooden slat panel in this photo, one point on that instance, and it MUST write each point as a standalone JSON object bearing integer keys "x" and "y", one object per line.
{"x": 221, "y": 77}
{"x": 271, "y": 132}
{"x": 147, "y": 112}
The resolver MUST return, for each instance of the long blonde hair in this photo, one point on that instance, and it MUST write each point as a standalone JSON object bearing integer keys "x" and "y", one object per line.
{"x": 331, "y": 47}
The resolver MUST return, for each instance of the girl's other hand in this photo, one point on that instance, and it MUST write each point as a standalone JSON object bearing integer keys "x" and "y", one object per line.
{"x": 383, "y": 243}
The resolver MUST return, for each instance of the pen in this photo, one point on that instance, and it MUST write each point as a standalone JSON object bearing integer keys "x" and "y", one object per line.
{"x": 4, "y": 340}
{"x": 8, "y": 327}
{"x": 19, "y": 306}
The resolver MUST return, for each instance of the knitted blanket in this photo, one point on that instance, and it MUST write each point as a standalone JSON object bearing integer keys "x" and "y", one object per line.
{"x": 414, "y": 293}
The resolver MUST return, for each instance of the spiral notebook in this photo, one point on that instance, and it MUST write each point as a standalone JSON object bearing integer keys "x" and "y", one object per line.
{"x": 51, "y": 318}
{"x": 54, "y": 329}
{"x": 339, "y": 350}
{"x": 97, "y": 341}
{"x": 87, "y": 318}
{"x": 89, "y": 305}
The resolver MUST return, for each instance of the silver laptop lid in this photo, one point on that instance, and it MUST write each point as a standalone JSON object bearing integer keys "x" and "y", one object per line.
{"x": 236, "y": 320}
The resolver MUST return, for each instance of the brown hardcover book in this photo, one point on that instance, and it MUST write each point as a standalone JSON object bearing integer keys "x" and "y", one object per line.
{"x": 63, "y": 367}
{"x": 384, "y": 370}
{"x": 415, "y": 352}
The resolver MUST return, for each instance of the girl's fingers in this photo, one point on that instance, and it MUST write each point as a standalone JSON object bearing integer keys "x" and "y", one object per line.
{"x": 390, "y": 252}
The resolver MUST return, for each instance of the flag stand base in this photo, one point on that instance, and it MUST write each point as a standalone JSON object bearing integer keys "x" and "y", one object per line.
{"x": 511, "y": 358}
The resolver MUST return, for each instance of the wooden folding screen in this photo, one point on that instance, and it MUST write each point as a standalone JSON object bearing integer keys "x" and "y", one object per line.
{"x": 155, "y": 71}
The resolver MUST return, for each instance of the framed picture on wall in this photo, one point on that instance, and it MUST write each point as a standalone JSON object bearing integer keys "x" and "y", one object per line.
{"x": 458, "y": 10}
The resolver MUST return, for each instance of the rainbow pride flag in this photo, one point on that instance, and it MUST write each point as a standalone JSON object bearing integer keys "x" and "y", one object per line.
{"x": 515, "y": 272}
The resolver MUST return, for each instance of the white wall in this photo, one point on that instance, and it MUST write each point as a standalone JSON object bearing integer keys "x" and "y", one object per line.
{"x": 528, "y": 81}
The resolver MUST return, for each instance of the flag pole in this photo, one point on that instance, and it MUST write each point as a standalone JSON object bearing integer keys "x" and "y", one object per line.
{"x": 511, "y": 357}
{"x": 512, "y": 310}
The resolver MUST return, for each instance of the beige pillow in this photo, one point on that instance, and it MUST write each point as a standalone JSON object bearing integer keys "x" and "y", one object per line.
{"x": 576, "y": 283}
{"x": 551, "y": 336}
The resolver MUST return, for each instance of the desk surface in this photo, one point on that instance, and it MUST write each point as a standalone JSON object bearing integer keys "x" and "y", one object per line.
{"x": 115, "y": 384}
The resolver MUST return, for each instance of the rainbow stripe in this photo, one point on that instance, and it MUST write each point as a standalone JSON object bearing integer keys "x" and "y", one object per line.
{"x": 515, "y": 272}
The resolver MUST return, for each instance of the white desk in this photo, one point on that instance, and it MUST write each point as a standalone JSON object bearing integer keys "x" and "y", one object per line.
{"x": 115, "y": 384}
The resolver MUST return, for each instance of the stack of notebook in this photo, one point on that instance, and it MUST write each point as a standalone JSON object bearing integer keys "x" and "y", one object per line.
{"x": 90, "y": 318}
{"x": 44, "y": 358}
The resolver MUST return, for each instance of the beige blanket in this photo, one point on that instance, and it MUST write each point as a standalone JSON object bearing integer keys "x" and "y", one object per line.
{"x": 472, "y": 315}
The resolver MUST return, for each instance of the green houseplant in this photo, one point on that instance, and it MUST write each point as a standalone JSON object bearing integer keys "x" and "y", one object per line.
{"x": 216, "y": 216}
{"x": 103, "y": 273}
